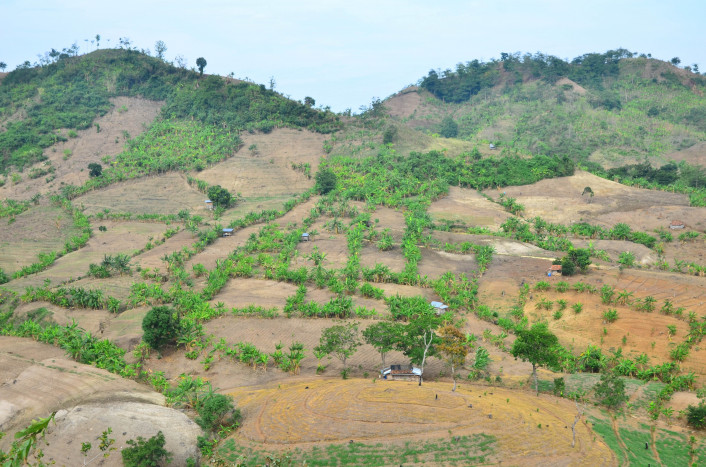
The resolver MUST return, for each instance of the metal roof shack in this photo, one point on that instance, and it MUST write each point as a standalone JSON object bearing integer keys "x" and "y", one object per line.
{"x": 401, "y": 373}
{"x": 305, "y": 237}
{"x": 209, "y": 204}
{"x": 227, "y": 232}
{"x": 554, "y": 269}
{"x": 675, "y": 224}
{"x": 439, "y": 307}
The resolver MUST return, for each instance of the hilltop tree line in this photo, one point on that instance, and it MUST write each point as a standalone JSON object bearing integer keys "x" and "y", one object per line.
{"x": 468, "y": 79}
{"x": 77, "y": 89}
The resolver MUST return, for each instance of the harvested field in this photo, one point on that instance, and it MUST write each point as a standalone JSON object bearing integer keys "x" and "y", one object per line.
{"x": 559, "y": 199}
{"x": 120, "y": 237}
{"x": 297, "y": 414}
{"x": 268, "y": 170}
{"x": 465, "y": 206}
{"x": 161, "y": 194}
{"x": 41, "y": 229}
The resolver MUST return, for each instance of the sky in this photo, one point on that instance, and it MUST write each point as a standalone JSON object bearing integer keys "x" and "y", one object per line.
{"x": 346, "y": 53}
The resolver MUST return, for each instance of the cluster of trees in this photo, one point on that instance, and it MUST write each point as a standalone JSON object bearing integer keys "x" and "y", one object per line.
{"x": 390, "y": 178}
{"x": 459, "y": 85}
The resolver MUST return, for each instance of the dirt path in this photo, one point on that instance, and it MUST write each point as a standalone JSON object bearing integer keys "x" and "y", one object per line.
{"x": 623, "y": 447}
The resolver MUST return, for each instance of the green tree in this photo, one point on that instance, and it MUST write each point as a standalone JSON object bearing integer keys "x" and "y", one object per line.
{"x": 161, "y": 326}
{"x": 576, "y": 258}
{"x": 340, "y": 340}
{"x": 390, "y": 135}
{"x": 610, "y": 390}
{"x": 201, "y": 64}
{"x": 675, "y": 61}
{"x": 3, "y": 65}
{"x": 537, "y": 346}
{"x": 160, "y": 47}
{"x": 95, "y": 170}
{"x": 220, "y": 196}
{"x": 325, "y": 180}
{"x": 382, "y": 335}
{"x": 418, "y": 338}
{"x": 309, "y": 101}
{"x": 146, "y": 453}
{"x": 448, "y": 128}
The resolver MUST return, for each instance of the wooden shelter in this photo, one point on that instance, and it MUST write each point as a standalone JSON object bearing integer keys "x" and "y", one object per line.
{"x": 401, "y": 373}
{"x": 554, "y": 270}
{"x": 676, "y": 225}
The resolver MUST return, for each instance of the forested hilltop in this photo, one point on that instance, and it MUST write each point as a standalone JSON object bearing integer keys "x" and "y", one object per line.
{"x": 611, "y": 108}
{"x": 67, "y": 92}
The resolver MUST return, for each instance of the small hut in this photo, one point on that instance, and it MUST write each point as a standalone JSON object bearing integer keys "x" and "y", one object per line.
{"x": 209, "y": 205}
{"x": 305, "y": 237}
{"x": 491, "y": 146}
{"x": 439, "y": 307}
{"x": 227, "y": 232}
{"x": 676, "y": 225}
{"x": 401, "y": 373}
{"x": 554, "y": 270}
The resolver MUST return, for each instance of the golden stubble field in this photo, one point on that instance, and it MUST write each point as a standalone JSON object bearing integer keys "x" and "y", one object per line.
{"x": 299, "y": 414}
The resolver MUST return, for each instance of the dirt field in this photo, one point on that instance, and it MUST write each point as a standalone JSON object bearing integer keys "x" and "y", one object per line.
{"x": 296, "y": 414}
{"x": 90, "y": 146}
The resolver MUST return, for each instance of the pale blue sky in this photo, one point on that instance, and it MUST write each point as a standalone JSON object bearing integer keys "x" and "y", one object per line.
{"x": 345, "y": 53}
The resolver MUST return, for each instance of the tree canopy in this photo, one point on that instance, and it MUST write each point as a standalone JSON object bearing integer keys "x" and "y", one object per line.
{"x": 537, "y": 346}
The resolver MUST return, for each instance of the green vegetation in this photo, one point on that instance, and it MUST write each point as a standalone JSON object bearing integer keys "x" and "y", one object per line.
{"x": 459, "y": 450}
{"x": 161, "y": 326}
{"x": 146, "y": 453}
{"x": 627, "y": 107}
{"x": 69, "y": 101}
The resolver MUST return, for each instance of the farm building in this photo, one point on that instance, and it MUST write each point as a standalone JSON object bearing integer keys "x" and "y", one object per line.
{"x": 491, "y": 146}
{"x": 305, "y": 237}
{"x": 227, "y": 232}
{"x": 675, "y": 225}
{"x": 554, "y": 270}
{"x": 439, "y": 307}
{"x": 401, "y": 373}
{"x": 209, "y": 205}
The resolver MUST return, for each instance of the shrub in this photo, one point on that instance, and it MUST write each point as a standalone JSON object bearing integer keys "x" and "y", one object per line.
{"x": 696, "y": 416}
{"x": 542, "y": 285}
{"x": 95, "y": 170}
{"x": 610, "y": 391}
{"x": 577, "y": 307}
{"x": 146, "y": 453}
{"x": 325, "y": 181}
{"x": 217, "y": 412}
{"x": 610, "y": 315}
{"x": 161, "y": 326}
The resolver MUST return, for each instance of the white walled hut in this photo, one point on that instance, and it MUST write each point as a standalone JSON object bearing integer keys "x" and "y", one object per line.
{"x": 676, "y": 225}
{"x": 226, "y": 232}
{"x": 209, "y": 204}
{"x": 305, "y": 237}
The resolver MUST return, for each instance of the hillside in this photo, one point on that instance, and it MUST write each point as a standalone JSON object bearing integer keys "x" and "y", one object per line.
{"x": 124, "y": 301}
{"x": 612, "y": 109}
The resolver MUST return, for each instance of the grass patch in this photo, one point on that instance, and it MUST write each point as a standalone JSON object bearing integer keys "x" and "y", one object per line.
{"x": 463, "y": 450}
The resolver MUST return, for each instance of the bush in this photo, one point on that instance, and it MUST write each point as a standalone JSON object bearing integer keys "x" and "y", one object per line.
{"x": 610, "y": 391}
{"x": 325, "y": 181}
{"x": 696, "y": 416}
{"x": 449, "y": 128}
{"x": 161, "y": 326}
{"x": 95, "y": 170}
{"x": 217, "y": 412}
{"x": 146, "y": 453}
